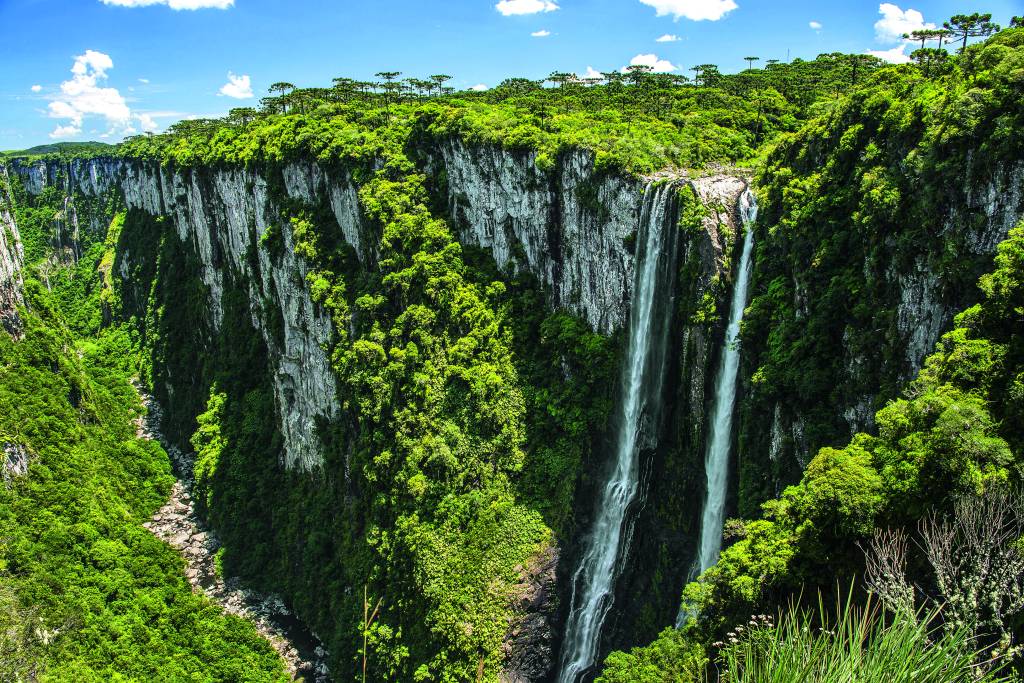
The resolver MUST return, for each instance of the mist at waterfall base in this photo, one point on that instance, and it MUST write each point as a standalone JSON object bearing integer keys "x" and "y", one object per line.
{"x": 716, "y": 462}
{"x": 643, "y": 375}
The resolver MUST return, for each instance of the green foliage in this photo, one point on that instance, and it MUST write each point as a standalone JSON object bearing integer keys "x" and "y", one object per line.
{"x": 94, "y": 596}
{"x": 654, "y": 122}
{"x": 855, "y": 207}
{"x": 951, "y": 435}
{"x": 857, "y": 644}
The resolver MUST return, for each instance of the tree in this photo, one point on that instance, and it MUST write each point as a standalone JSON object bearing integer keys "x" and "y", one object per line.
{"x": 439, "y": 80}
{"x": 964, "y": 26}
{"x": 241, "y": 115}
{"x": 930, "y": 59}
{"x": 1017, "y": 22}
{"x": 978, "y": 568}
{"x": 750, "y": 61}
{"x": 706, "y": 75}
{"x": 858, "y": 61}
{"x": 281, "y": 87}
{"x": 391, "y": 89}
{"x": 560, "y": 78}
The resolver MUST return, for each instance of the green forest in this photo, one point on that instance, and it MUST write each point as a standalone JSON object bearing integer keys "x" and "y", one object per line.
{"x": 475, "y": 413}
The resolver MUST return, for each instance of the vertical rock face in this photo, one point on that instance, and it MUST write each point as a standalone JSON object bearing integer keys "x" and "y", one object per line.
{"x": 919, "y": 290}
{"x": 925, "y": 310}
{"x": 573, "y": 230}
{"x": 11, "y": 260}
{"x": 222, "y": 215}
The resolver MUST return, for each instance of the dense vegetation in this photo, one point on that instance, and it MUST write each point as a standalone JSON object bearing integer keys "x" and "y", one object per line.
{"x": 87, "y": 594}
{"x": 954, "y": 431}
{"x": 439, "y": 365}
{"x": 62, "y": 149}
{"x": 470, "y": 410}
{"x": 895, "y": 181}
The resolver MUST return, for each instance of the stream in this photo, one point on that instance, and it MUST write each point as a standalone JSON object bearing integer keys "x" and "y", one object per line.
{"x": 177, "y": 524}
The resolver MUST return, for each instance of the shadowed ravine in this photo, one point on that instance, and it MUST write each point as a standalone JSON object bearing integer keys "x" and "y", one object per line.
{"x": 177, "y": 524}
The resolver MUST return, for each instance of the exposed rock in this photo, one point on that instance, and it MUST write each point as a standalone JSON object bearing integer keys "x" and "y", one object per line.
{"x": 177, "y": 524}
{"x": 222, "y": 214}
{"x": 528, "y": 643}
{"x": 571, "y": 231}
{"x": 11, "y": 261}
{"x": 15, "y": 461}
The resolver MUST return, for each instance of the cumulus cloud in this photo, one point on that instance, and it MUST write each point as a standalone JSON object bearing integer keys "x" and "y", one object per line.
{"x": 696, "y": 10}
{"x": 513, "y": 7}
{"x": 36, "y": 88}
{"x": 173, "y": 4}
{"x": 238, "y": 87}
{"x": 895, "y": 22}
{"x": 591, "y": 72}
{"x": 894, "y": 56}
{"x": 816, "y": 25}
{"x": 65, "y": 131}
{"x": 83, "y": 96}
{"x": 543, "y": 33}
{"x": 147, "y": 123}
{"x": 668, "y": 38}
{"x": 659, "y": 66}
{"x": 479, "y": 87}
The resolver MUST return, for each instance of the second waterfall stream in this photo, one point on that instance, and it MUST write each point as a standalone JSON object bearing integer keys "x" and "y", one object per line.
{"x": 643, "y": 374}
{"x": 716, "y": 464}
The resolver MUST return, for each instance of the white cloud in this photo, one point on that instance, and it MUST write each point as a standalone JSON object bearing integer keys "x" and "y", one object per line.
{"x": 591, "y": 72}
{"x": 36, "y": 88}
{"x": 173, "y": 4}
{"x": 147, "y": 123}
{"x": 512, "y": 7}
{"x": 65, "y": 131}
{"x": 659, "y": 66}
{"x": 543, "y": 33}
{"x": 895, "y": 22}
{"x": 479, "y": 87}
{"x": 816, "y": 25}
{"x": 893, "y": 56}
{"x": 82, "y": 96}
{"x": 696, "y": 10}
{"x": 144, "y": 80}
{"x": 238, "y": 87}
{"x": 668, "y": 38}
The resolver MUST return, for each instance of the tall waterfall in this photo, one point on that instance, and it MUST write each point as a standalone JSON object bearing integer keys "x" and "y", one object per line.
{"x": 642, "y": 380}
{"x": 716, "y": 464}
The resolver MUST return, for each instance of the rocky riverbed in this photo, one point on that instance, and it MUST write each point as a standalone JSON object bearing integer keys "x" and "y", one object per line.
{"x": 178, "y": 524}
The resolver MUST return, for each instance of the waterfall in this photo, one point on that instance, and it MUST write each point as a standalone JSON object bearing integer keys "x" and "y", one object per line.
{"x": 642, "y": 379}
{"x": 716, "y": 464}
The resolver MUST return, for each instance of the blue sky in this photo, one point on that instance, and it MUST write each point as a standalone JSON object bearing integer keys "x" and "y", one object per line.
{"x": 100, "y": 69}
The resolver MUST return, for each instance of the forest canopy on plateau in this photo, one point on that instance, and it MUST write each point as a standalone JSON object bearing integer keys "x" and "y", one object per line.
{"x": 470, "y": 407}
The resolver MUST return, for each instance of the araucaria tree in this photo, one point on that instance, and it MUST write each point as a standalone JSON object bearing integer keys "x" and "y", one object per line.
{"x": 964, "y": 26}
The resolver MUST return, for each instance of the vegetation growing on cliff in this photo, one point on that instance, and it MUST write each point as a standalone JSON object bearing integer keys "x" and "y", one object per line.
{"x": 641, "y": 123}
{"x": 855, "y": 208}
{"x": 87, "y": 594}
{"x": 467, "y": 407}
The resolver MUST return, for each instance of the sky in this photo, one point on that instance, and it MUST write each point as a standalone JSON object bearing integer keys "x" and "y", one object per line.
{"x": 73, "y": 70}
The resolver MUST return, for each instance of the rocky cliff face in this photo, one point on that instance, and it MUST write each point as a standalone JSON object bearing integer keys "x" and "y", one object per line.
{"x": 572, "y": 230}
{"x": 917, "y": 287}
{"x": 11, "y": 259}
{"x": 222, "y": 214}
